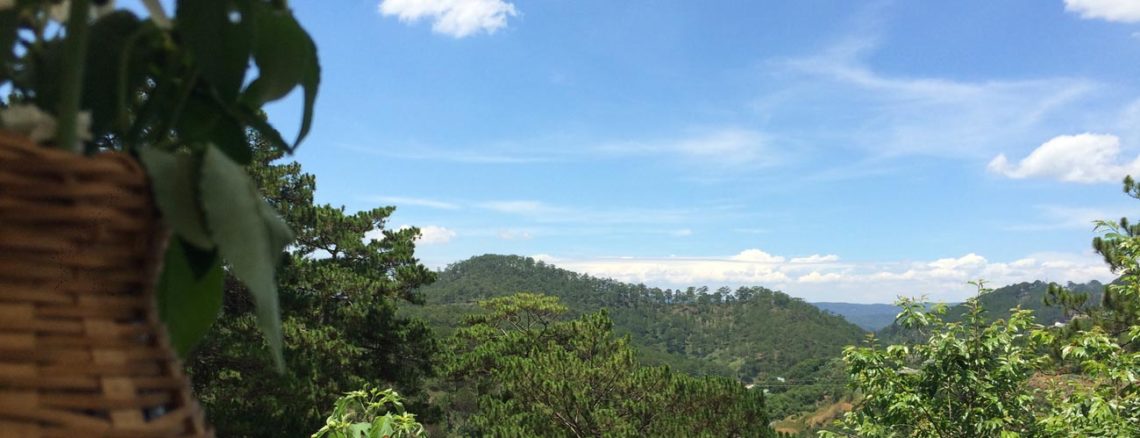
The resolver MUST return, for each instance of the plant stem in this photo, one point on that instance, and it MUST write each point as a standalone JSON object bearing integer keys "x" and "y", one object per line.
{"x": 71, "y": 78}
{"x": 157, "y": 13}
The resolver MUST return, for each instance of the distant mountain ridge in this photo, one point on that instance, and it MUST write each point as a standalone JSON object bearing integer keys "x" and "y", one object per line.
{"x": 871, "y": 317}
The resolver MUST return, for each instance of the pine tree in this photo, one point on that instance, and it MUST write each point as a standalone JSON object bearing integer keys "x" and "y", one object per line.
{"x": 339, "y": 298}
{"x": 534, "y": 374}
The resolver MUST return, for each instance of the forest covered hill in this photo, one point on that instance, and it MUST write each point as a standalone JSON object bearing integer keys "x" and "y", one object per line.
{"x": 757, "y": 335}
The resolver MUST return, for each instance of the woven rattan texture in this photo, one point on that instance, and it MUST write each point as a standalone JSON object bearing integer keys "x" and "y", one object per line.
{"x": 82, "y": 352}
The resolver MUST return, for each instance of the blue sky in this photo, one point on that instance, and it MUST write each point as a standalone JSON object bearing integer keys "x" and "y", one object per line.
{"x": 836, "y": 150}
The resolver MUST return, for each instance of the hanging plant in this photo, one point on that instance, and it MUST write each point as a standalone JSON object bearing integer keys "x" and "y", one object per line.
{"x": 178, "y": 94}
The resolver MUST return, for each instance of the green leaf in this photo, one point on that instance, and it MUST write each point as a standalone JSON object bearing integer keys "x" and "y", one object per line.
{"x": 174, "y": 178}
{"x": 256, "y": 121}
{"x": 42, "y": 74}
{"x": 9, "y": 20}
{"x": 357, "y": 430}
{"x": 286, "y": 57}
{"x": 188, "y": 303}
{"x": 250, "y": 236}
{"x": 230, "y": 136}
{"x": 282, "y": 51}
{"x": 311, "y": 82}
{"x": 218, "y": 35}
{"x": 205, "y": 120}
{"x": 108, "y": 71}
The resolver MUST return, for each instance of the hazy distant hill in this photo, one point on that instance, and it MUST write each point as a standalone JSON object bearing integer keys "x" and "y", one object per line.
{"x": 755, "y": 334}
{"x": 1030, "y": 296}
{"x": 870, "y": 317}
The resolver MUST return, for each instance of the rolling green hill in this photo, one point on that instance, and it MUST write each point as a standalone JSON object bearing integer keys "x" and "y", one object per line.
{"x": 757, "y": 335}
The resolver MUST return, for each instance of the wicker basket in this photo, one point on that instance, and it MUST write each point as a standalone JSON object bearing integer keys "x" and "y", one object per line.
{"x": 82, "y": 352}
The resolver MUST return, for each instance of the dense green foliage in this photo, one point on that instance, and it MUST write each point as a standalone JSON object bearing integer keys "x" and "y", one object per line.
{"x": 339, "y": 297}
{"x": 758, "y": 336}
{"x": 1012, "y": 376}
{"x": 521, "y": 370}
{"x": 998, "y": 304}
{"x": 1003, "y": 378}
{"x": 968, "y": 380}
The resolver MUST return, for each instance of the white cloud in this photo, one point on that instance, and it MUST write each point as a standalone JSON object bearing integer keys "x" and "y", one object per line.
{"x": 1024, "y": 263}
{"x": 816, "y": 277}
{"x": 681, "y": 232}
{"x": 816, "y": 258}
{"x": 514, "y": 234}
{"x": 420, "y": 202}
{"x": 1127, "y": 11}
{"x": 429, "y": 235}
{"x": 539, "y": 211}
{"x": 545, "y": 258}
{"x": 457, "y": 18}
{"x": 967, "y": 261}
{"x": 1083, "y": 158}
{"x": 434, "y": 235}
{"x": 828, "y": 279}
{"x": 756, "y": 256}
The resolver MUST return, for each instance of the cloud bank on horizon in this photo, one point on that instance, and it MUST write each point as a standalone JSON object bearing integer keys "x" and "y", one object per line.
{"x": 826, "y": 277}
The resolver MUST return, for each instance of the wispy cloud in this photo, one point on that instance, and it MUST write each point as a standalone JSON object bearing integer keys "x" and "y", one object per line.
{"x": 400, "y": 201}
{"x": 752, "y": 230}
{"x": 539, "y": 211}
{"x": 511, "y": 234}
{"x": 1057, "y": 217}
{"x": 456, "y": 18}
{"x": 720, "y": 148}
{"x": 470, "y": 156}
{"x": 908, "y": 115}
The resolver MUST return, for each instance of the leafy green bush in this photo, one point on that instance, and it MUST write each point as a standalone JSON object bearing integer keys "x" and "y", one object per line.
{"x": 1012, "y": 377}
{"x": 370, "y": 413}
